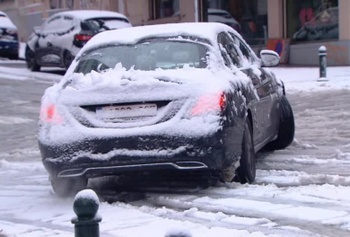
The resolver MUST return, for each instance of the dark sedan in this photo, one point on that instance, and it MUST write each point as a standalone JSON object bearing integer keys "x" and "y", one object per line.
{"x": 185, "y": 97}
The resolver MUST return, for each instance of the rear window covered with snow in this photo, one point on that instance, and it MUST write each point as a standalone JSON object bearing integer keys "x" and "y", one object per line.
{"x": 146, "y": 55}
{"x": 106, "y": 23}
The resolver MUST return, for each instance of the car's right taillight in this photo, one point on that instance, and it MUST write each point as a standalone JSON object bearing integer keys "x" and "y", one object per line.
{"x": 49, "y": 114}
{"x": 209, "y": 104}
{"x": 81, "y": 39}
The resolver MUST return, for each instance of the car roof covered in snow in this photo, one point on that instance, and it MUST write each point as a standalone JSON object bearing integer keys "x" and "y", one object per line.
{"x": 5, "y": 21}
{"x": 203, "y": 30}
{"x": 90, "y": 14}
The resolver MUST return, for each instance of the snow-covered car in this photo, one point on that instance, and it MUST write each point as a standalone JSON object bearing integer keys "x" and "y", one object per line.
{"x": 222, "y": 16}
{"x": 186, "y": 97}
{"x": 9, "y": 44}
{"x": 58, "y": 40}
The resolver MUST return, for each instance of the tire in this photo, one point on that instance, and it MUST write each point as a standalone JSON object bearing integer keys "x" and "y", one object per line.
{"x": 67, "y": 187}
{"x": 246, "y": 171}
{"x": 30, "y": 59}
{"x": 13, "y": 57}
{"x": 286, "y": 127}
{"x": 67, "y": 59}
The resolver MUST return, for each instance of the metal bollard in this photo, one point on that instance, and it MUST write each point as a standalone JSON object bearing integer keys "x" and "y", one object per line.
{"x": 86, "y": 224}
{"x": 322, "y": 53}
{"x": 178, "y": 233}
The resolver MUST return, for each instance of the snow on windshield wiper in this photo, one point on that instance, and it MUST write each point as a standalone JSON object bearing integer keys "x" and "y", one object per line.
{"x": 167, "y": 79}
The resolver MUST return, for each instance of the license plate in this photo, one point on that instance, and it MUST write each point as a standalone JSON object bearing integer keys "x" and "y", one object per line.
{"x": 126, "y": 111}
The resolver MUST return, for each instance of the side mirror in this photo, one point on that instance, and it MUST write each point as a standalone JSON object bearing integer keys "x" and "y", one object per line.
{"x": 37, "y": 30}
{"x": 269, "y": 58}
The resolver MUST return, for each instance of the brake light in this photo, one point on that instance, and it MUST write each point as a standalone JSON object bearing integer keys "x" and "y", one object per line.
{"x": 81, "y": 37}
{"x": 210, "y": 103}
{"x": 49, "y": 114}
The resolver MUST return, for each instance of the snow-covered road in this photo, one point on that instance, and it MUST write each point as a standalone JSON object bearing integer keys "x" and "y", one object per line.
{"x": 301, "y": 191}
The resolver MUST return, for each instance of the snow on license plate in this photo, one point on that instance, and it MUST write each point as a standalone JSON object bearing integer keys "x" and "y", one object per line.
{"x": 126, "y": 111}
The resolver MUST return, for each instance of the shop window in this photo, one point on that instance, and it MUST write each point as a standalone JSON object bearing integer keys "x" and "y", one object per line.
{"x": 70, "y": 4}
{"x": 247, "y": 17}
{"x": 164, "y": 8}
{"x": 312, "y": 20}
{"x": 55, "y": 4}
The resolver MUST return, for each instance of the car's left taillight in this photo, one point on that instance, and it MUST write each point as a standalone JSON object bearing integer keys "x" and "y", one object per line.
{"x": 209, "y": 104}
{"x": 49, "y": 114}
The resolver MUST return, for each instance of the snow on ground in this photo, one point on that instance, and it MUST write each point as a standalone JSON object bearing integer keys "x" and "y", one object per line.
{"x": 301, "y": 191}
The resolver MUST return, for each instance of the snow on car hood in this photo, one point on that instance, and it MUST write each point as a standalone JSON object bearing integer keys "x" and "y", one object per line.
{"x": 6, "y": 23}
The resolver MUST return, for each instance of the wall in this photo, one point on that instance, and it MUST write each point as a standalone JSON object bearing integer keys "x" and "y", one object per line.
{"x": 307, "y": 54}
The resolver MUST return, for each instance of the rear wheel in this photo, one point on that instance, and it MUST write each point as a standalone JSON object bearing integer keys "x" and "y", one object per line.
{"x": 30, "y": 59}
{"x": 246, "y": 171}
{"x": 67, "y": 59}
{"x": 286, "y": 127}
{"x": 13, "y": 56}
{"x": 67, "y": 187}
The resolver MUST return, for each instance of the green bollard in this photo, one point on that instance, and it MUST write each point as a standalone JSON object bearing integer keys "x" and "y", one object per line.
{"x": 86, "y": 224}
{"x": 322, "y": 53}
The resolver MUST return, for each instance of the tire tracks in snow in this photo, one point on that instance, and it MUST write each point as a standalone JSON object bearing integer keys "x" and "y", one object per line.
{"x": 180, "y": 210}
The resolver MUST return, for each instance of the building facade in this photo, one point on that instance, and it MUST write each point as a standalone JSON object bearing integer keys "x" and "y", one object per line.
{"x": 294, "y": 28}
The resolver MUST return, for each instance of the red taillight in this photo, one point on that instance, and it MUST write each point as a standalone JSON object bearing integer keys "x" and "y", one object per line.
{"x": 80, "y": 37}
{"x": 49, "y": 114}
{"x": 209, "y": 103}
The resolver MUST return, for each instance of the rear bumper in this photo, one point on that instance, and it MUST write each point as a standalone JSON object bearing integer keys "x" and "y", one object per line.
{"x": 100, "y": 157}
{"x": 9, "y": 48}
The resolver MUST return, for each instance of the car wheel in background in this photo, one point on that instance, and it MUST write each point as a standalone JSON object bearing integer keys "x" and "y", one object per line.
{"x": 67, "y": 59}
{"x": 286, "y": 127}
{"x": 246, "y": 171}
{"x": 30, "y": 59}
{"x": 67, "y": 187}
{"x": 13, "y": 57}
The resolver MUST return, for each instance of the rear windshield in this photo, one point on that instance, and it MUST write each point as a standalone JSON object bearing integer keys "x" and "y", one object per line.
{"x": 107, "y": 23}
{"x": 222, "y": 14}
{"x": 147, "y": 55}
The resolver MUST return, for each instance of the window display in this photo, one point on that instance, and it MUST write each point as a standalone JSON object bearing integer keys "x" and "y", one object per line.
{"x": 164, "y": 8}
{"x": 310, "y": 20}
{"x": 248, "y": 17}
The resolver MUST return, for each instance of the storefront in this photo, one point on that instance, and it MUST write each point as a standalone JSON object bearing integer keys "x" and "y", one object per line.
{"x": 294, "y": 28}
{"x": 310, "y": 24}
{"x": 312, "y": 20}
{"x": 250, "y": 14}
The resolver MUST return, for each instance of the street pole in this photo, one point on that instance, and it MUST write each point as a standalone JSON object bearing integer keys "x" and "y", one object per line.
{"x": 322, "y": 54}
{"x": 86, "y": 204}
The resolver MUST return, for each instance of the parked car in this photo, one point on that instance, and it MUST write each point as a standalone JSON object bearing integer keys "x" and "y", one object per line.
{"x": 185, "y": 97}
{"x": 58, "y": 40}
{"x": 9, "y": 44}
{"x": 222, "y": 16}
